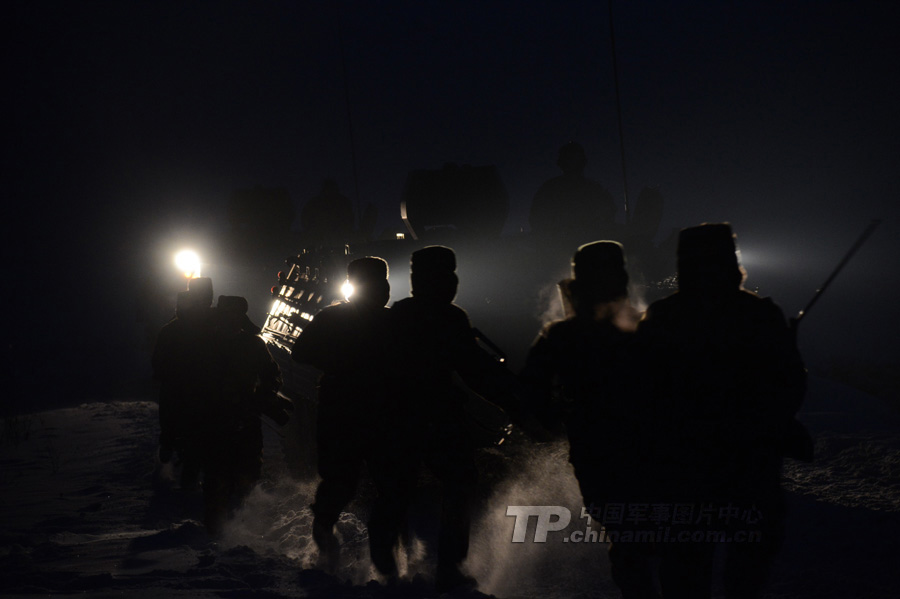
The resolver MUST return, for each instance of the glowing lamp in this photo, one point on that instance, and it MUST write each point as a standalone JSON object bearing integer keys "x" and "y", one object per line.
{"x": 347, "y": 290}
{"x": 188, "y": 262}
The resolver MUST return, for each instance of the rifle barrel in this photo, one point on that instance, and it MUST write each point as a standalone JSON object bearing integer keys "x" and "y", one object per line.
{"x": 859, "y": 243}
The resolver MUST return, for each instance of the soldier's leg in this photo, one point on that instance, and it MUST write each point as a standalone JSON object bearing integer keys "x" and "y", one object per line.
{"x": 685, "y": 571}
{"x": 394, "y": 474}
{"x": 217, "y": 465}
{"x": 748, "y": 562}
{"x": 340, "y": 462}
{"x": 458, "y": 475}
{"x": 631, "y": 570}
{"x": 190, "y": 446}
{"x": 248, "y": 465}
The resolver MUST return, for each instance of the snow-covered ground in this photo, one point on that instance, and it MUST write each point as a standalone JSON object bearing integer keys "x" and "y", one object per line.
{"x": 86, "y": 509}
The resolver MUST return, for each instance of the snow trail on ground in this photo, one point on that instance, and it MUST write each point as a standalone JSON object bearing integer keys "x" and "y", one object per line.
{"x": 84, "y": 508}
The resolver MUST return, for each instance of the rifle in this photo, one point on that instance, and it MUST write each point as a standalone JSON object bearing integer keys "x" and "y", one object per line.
{"x": 797, "y": 442}
{"x": 795, "y": 322}
{"x": 489, "y": 345}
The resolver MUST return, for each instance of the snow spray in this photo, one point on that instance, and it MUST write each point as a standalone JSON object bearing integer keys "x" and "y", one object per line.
{"x": 279, "y": 520}
{"x": 543, "y": 476}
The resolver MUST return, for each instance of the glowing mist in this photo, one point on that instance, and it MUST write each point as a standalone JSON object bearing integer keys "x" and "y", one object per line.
{"x": 551, "y": 569}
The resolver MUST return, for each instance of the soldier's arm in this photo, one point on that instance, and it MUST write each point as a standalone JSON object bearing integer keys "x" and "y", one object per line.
{"x": 269, "y": 372}
{"x": 311, "y": 346}
{"x": 537, "y": 379}
{"x": 538, "y": 373}
{"x": 789, "y": 376}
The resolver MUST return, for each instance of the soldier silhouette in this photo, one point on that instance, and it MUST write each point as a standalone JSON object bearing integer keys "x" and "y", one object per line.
{"x": 583, "y": 377}
{"x": 182, "y": 363}
{"x": 728, "y": 380}
{"x": 230, "y": 431}
{"x": 217, "y": 378}
{"x": 436, "y": 347}
{"x": 571, "y": 206}
{"x": 349, "y": 343}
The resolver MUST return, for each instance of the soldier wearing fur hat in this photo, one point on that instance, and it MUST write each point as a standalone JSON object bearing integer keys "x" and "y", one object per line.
{"x": 437, "y": 348}
{"x": 183, "y": 365}
{"x": 349, "y": 344}
{"x": 230, "y": 430}
{"x": 582, "y": 375}
{"x": 727, "y": 380}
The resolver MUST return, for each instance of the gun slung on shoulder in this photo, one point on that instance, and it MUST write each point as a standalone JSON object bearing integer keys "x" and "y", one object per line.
{"x": 855, "y": 248}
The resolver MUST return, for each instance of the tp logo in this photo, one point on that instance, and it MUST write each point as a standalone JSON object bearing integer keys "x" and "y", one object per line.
{"x": 544, "y": 524}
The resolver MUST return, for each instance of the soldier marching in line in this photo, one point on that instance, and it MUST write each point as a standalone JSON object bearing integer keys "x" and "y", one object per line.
{"x": 691, "y": 405}
{"x": 434, "y": 342}
{"x": 350, "y": 344}
{"x": 692, "y": 410}
{"x": 583, "y": 378}
{"x": 246, "y": 381}
{"x": 727, "y": 381}
{"x": 183, "y": 365}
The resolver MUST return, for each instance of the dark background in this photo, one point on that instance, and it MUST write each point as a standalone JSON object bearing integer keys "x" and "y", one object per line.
{"x": 129, "y": 124}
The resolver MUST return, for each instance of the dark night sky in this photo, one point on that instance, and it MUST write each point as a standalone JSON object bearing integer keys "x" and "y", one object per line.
{"x": 128, "y": 124}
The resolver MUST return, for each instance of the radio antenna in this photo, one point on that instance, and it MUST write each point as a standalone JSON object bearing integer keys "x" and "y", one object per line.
{"x": 612, "y": 39}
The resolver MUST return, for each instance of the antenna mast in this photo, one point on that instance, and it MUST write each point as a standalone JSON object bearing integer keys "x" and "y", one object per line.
{"x": 349, "y": 119}
{"x": 612, "y": 38}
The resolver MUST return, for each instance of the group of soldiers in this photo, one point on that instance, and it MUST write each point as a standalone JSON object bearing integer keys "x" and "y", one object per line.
{"x": 216, "y": 379}
{"x": 688, "y": 409}
{"x": 388, "y": 397}
{"x": 689, "y": 404}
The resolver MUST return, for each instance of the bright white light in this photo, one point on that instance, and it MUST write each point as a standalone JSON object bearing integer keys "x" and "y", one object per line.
{"x": 347, "y": 290}
{"x": 188, "y": 262}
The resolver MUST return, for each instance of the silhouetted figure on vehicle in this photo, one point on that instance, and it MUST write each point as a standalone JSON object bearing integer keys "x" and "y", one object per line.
{"x": 436, "y": 344}
{"x": 349, "y": 342}
{"x": 468, "y": 202}
{"x": 327, "y": 219}
{"x": 583, "y": 376}
{"x": 230, "y": 431}
{"x": 728, "y": 380}
{"x": 184, "y": 366}
{"x": 572, "y": 207}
